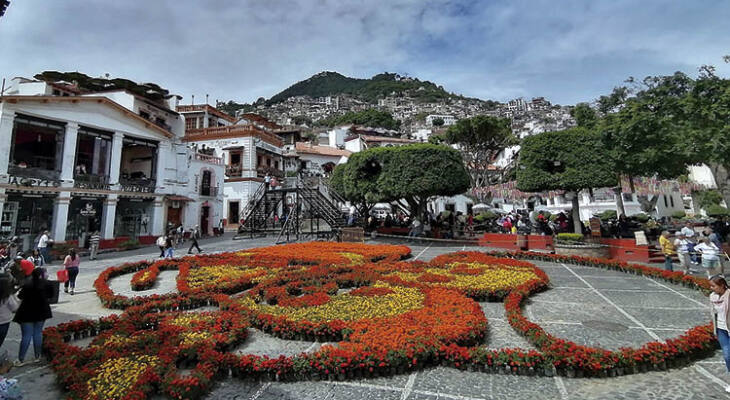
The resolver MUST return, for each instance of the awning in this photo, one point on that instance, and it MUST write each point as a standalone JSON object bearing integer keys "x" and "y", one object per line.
{"x": 232, "y": 148}
{"x": 179, "y": 198}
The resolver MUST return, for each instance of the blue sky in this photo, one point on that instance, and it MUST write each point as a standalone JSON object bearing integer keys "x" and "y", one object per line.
{"x": 567, "y": 51}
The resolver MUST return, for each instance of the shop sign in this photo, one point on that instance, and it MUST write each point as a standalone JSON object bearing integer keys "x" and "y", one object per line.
{"x": 88, "y": 210}
{"x": 137, "y": 188}
{"x": 32, "y": 182}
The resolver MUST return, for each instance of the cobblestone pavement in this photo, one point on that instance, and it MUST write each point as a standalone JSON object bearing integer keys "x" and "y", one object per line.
{"x": 586, "y": 305}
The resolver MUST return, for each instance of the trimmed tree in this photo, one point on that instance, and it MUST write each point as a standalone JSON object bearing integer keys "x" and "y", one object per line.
{"x": 570, "y": 160}
{"x": 411, "y": 173}
{"x": 480, "y": 139}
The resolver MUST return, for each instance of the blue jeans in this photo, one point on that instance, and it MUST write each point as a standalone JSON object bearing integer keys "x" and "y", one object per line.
{"x": 3, "y": 332}
{"x": 169, "y": 253}
{"x": 722, "y": 337}
{"x": 668, "y": 263}
{"x": 31, "y": 330}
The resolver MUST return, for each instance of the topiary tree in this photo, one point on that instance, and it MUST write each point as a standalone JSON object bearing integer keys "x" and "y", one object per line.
{"x": 570, "y": 160}
{"x": 717, "y": 211}
{"x": 411, "y": 173}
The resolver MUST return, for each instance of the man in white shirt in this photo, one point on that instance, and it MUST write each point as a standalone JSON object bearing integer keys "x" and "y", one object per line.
{"x": 691, "y": 236}
{"x": 43, "y": 248}
{"x": 682, "y": 246}
{"x": 710, "y": 257}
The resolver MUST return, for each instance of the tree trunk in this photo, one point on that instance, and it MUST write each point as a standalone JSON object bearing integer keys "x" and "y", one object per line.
{"x": 722, "y": 180}
{"x": 577, "y": 225}
{"x": 620, "y": 210}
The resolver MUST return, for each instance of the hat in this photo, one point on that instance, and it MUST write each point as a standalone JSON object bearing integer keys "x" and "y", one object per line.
{"x": 19, "y": 257}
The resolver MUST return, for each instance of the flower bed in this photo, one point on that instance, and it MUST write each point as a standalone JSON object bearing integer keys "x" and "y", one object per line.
{"x": 388, "y": 316}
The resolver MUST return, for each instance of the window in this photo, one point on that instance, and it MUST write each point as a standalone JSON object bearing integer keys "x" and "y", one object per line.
{"x": 37, "y": 144}
{"x": 206, "y": 183}
{"x": 235, "y": 158}
{"x": 276, "y": 164}
{"x": 671, "y": 200}
{"x": 93, "y": 152}
{"x": 190, "y": 123}
{"x": 665, "y": 201}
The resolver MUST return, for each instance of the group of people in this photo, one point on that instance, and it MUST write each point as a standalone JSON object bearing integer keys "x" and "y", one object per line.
{"x": 445, "y": 225}
{"x": 167, "y": 243}
{"x": 693, "y": 249}
{"x": 25, "y": 299}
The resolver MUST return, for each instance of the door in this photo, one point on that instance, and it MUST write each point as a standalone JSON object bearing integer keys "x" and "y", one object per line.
{"x": 173, "y": 217}
{"x": 204, "y": 212}
{"x": 233, "y": 212}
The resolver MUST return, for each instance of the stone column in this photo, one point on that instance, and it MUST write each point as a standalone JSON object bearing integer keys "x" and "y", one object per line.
{"x": 116, "y": 162}
{"x": 69, "y": 153}
{"x": 108, "y": 216}
{"x": 60, "y": 216}
{"x": 3, "y": 197}
{"x": 7, "y": 119}
{"x": 158, "y": 216}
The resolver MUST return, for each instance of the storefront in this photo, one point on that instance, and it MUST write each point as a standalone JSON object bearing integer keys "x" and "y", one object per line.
{"x": 84, "y": 217}
{"x": 27, "y": 215}
{"x": 134, "y": 217}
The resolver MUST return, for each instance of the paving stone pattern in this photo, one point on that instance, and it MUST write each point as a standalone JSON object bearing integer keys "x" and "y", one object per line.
{"x": 587, "y": 305}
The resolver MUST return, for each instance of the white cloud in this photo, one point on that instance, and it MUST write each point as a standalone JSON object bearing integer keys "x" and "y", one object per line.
{"x": 567, "y": 51}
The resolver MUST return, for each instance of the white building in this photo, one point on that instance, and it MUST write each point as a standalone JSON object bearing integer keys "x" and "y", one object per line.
{"x": 74, "y": 162}
{"x": 248, "y": 151}
{"x": 448, "y": 119}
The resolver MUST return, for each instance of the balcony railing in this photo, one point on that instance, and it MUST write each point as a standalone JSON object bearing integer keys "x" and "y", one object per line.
{"x": 143, "y": 185}
{"x": 262, "y": 171}
{"x": 235, "y": 130}
{"x": 89, "y": 181}
{"x": 210, "y": 191}
{"x": 234, "y": 171}
{"x": 34, "y": 172}
{"x": 209, "y": 159}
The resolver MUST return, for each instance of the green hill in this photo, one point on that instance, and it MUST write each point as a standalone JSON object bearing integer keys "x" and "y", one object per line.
{"x": 369, "y": 90}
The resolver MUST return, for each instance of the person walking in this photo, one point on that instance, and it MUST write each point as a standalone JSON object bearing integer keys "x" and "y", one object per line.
{"x": 710, "y": 257}
{"x": 43, "y": 248}
{"x": 8, "y": 305}
{"x": 161, "y": 242}
{"x": 720, "y": 300}
{"x": 194, "y": 236}
{"x": 94, "y": 240}
{"x": 32, "y": 313}
{"x": 169, "y": 247}
{"x": 682, "y": 246}
{"x": 71, "y": 263}
{"x": 716, "y": 239}
{"x": 668, "y": 250}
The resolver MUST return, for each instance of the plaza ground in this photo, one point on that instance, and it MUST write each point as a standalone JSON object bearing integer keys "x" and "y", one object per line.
{"x": 587, "y": 305}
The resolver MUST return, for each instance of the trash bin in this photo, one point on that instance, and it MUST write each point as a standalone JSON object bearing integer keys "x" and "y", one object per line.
{"x": 522, "y": 242}
{"x": 56, "y": 286}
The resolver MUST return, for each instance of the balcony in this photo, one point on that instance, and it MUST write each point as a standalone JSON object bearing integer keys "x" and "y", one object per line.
{"x": 208, "y": 159}
{"x": 209, "y": 191}
{"x": 262, "y": 171}
{"x": 140, "y": 185}
{"x": 89, "y": 181}
{"x": 33, "y": 173}
{"x": 234, "y": 171}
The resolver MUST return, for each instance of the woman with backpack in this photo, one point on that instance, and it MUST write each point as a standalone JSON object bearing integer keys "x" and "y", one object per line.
{"x": 32, "y": 313}
{"x": 71, "y": 263}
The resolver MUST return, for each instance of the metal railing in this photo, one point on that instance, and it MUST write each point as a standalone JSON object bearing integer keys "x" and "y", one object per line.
{"x": 90, "y": 181}
{"x": 211, "y": 191}
{"x": 137, "y": 185}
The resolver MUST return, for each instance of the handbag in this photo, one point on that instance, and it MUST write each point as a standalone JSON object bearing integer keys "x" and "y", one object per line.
{"x": 62, "y": 275}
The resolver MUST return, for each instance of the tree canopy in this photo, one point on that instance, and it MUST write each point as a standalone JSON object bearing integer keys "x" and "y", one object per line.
{"x": 570, "y": 160}
{"x": 480, "y": 139}
{"x": 412, "y": 173}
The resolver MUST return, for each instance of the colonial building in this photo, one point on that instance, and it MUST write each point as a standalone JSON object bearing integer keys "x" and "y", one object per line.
{"x": 248, "y": 150}
{"x": 73, "y": 162}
